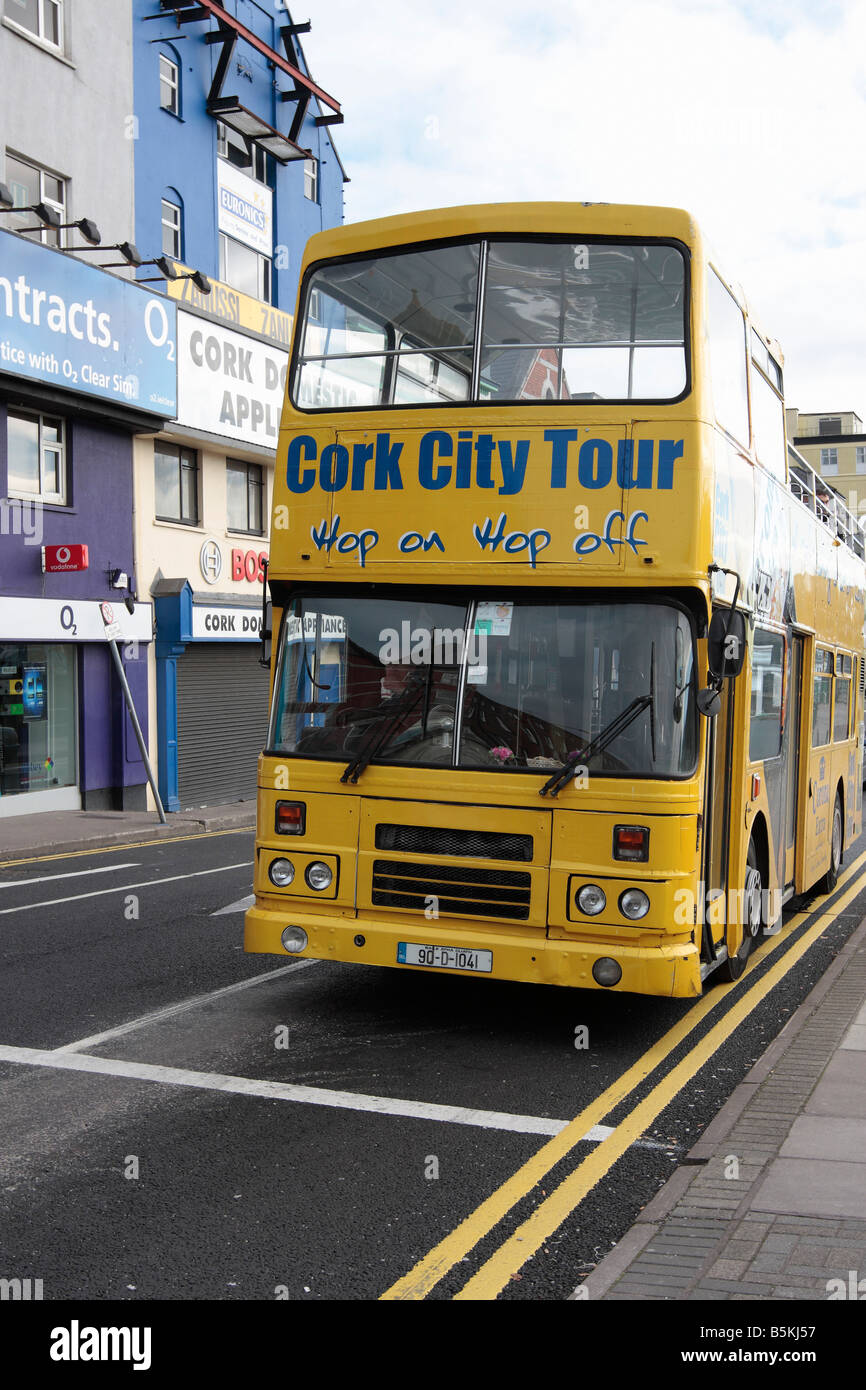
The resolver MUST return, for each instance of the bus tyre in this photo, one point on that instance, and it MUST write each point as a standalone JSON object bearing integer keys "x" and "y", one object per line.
{"x": 831, "y": 878}
{"x": 753, "y": 897}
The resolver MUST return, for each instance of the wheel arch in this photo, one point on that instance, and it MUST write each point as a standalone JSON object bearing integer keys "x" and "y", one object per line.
{"x": 761, "y": 837}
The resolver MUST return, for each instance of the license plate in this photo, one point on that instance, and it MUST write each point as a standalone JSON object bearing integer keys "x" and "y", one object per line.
{"x": 444, "y": 957}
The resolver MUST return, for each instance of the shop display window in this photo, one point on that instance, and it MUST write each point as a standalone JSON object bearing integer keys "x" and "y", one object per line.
{"x": 37, "y": 718}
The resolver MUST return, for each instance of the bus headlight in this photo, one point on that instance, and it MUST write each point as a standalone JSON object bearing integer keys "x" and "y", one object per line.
{"x": 319, "y": 876}
{"x": 281, "y": 872}
{"x": 633, "y": 903}
{"x": 591, "y": 899}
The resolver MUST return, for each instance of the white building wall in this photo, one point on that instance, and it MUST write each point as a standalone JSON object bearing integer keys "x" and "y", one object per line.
{"x": 71, "y": 113}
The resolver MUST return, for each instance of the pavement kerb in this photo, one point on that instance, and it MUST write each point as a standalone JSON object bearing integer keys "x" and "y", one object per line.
{"x": 177, "y": 826}
{"x": 650, "y": 1220}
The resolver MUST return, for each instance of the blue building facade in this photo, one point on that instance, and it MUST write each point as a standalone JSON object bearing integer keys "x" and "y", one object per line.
{"x": 235, "y": 166}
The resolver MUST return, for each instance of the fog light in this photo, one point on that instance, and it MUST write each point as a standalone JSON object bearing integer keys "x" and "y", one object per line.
{"x": 606, "y": 972}
{"x": 281, "y": 872}
{"x": 319, "y": 876}
{"x": 633, "y": 903}
{"x": 294, "y": 939}
{"x": 591, "y": 899}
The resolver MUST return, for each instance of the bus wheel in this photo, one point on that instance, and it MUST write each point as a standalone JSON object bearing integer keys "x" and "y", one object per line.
{"x": 831, "y": 878}
{"x": 732, "y": 968}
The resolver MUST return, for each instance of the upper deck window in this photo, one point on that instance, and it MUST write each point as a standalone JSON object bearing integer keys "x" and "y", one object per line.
{"x": 728, "y": 360}
{"x": 559, "y": 322}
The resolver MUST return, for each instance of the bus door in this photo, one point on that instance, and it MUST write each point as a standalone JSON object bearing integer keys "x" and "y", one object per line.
{"x": 717, "y": 814}
{"x": 791, "y": 753}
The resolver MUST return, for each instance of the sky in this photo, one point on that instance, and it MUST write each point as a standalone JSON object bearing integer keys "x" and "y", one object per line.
{"x": 752, "y": 116}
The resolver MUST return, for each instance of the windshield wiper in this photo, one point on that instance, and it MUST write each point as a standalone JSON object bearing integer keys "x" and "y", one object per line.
{"x": 381, "y": 731}
{"x": 598, "y": 744}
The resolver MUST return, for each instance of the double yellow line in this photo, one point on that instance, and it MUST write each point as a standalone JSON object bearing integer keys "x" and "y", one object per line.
{"x": 494, "y": 1275}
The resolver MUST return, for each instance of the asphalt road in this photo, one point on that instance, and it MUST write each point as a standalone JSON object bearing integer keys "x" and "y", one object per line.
{"x": 177, "y": 1157}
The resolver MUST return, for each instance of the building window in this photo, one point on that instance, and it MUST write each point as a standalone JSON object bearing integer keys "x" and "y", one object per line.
{"x": 311, "y": 180}
{"x": 176, "y": 483}
{"x": 245, "y": 269}
{"x": 172, "y": 230}
{"x": 169, "y": 85}
{"x": 234, "y": 148}
{"x": 44, "y": 18}
{"x": 860, "y": 458}
{"x": 832, "y": 424}
{"x": 829, "y": 461}
{"x": 245, "y": 491}
{"x": 36, "y": 457}
{"x": 31, "y": 185}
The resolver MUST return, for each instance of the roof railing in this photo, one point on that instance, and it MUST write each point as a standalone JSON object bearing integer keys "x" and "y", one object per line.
{"x": 824, "y": 502}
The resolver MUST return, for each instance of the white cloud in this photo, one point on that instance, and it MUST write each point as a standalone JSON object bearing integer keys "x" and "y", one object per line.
{"x": 750, "y": 115}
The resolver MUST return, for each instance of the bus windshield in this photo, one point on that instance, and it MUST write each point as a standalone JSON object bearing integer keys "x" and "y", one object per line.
{"x": 559, "y": 321}
{"x": 521, "y": 684}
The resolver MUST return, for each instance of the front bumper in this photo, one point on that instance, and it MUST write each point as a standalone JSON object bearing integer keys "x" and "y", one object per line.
{"x": 672, "y": 971}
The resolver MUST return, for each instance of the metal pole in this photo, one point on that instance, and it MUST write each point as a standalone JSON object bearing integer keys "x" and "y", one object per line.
{"x": 127, "y": 695}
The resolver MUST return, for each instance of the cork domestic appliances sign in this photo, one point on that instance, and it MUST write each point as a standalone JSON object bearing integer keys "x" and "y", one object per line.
{"x": 229, "y": 384}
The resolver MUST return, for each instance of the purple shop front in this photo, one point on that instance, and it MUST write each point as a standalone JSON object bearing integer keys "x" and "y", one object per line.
{"x": 66, "y": 740}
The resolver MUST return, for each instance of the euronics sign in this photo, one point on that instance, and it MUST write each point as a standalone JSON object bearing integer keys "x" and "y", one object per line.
{"x": 246, "y": 209}
{"x": 69, "y": 324}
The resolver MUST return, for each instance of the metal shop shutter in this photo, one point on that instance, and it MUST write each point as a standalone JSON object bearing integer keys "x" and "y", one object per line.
{"x": 222, "y": 720}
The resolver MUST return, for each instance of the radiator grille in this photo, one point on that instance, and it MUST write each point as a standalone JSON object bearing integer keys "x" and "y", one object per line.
{"x": 465, "y": 890}
{"x": 471, "y": 844}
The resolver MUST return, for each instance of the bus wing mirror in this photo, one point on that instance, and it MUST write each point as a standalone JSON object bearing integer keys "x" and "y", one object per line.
{"x": 709, "y": 702}
{"x": 267, "y": 626}
{"x": 726, "y": 644}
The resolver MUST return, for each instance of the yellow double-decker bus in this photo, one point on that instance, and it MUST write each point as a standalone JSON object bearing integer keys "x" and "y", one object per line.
{"x": 567, "y": 643}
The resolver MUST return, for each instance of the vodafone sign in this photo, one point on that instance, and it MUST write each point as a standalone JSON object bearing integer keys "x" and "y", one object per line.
{"x": 58, "y": 559}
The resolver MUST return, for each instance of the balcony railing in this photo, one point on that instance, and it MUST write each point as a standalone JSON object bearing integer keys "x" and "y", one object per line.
{"x": 825, "y": 502}
{"x": 815, "y": 431}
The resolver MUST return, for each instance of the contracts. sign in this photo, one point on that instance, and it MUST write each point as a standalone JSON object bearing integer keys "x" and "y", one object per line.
{"x": 229, "y": 384}
{"x": 74, "y": 326}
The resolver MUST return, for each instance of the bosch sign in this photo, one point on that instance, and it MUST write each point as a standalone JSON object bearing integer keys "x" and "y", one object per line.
{"x": 249, "y": 565}
{"x": 60, "y": 559}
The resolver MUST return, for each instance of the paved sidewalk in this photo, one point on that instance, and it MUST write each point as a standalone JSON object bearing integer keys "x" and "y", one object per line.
{"x": 792, "y": 1223}
{"x": 63, "y": 832}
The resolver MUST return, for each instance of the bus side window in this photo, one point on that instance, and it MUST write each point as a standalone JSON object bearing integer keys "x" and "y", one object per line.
{"x": 841, "y": 705}
{"x": 822, "y": 687}
{"x": 765, "y": 726}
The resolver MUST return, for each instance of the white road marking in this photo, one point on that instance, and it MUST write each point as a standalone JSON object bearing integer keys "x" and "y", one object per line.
{"x": 79, "y": 873}
{"x": 281, "y": 1090}
{"x": 240, "y": 906}
{"x": 125, "y": 887}
{"x": 171, "y": 1010}
{"x": 65, "y": 1059}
